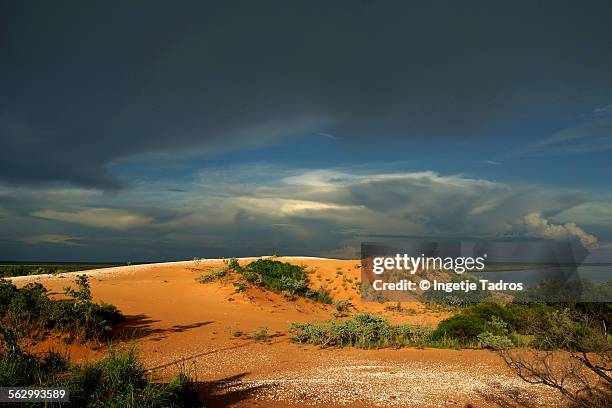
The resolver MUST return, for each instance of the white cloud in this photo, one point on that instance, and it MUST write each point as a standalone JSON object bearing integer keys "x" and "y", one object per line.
{"x": 592, "y": 135}
{"x": 47, "y": 239}
{"x": 288, "y": 207}
{"x": 594, "y": 213}
{"x": 97, "y": 217}
{"x": 539, "y": 226}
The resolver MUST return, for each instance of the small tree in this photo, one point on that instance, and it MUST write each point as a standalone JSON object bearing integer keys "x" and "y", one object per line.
{"x": 571, "y": 354}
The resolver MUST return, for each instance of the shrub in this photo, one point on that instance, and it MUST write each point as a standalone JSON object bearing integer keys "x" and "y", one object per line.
{"x": 278, "y": 275}
{"x": 197, "y": 263}
{"x": 233, "y": 264}
{"x": 260, "y": 334}
{"x": 320, "y": 295}
{"x": 212, "y": 275}
{"x": 282, "y": 277}
{"x": 462, "y": 327}
{"x": 342, "y": 308}
{"x": 342, "y": 305}
{"x": 83, "y": 318}
{"x": 119, "y": 380}
{"x": 554, "y": 290}
{"x": 30, "y": 310}
{"x": 488, "y": 310}
{"x": 363, "y": 331}
{"x": 569, "y": 330}
{"x": 19, "y": 368}
{"x": 240, "y": 287}
{"x": 475, "y": 320}
{"x": 28, "y": 307}
{"x": 496, "y": 335}
{"x": 83, "y": 293}
{"x": 494, "y": 342}
{"x": 528, "y": 324}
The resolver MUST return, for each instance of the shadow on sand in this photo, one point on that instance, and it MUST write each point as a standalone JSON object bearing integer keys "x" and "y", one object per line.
{"x": 139, "y": 326}
{"x": 227, "y": 391}
{"x": 509, "y": 397}
{"x": 220, "y": 393}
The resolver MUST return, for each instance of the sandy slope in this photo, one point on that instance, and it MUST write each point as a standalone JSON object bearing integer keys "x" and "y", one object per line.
{"x": 178, "y": 323}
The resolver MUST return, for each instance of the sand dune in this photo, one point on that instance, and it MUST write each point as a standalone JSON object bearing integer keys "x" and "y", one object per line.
{"x": 176, "y": 322}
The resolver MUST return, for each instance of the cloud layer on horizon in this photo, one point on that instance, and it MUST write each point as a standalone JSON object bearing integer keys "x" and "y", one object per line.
{"x": 292, "y": 211}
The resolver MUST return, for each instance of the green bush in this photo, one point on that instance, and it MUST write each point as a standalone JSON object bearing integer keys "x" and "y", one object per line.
{"x": 462, "y": 327}
{"x": 496, "y": 335}
{"x": 545, "y": 326}
{"x": 363, "y": 331}
{"x": 488, "y": 310}
{"x": 282, "y": 277}
{"x": 117, "y": 380}
{"x": 240, "y": 287}
{"x": 321, "y": 295}
{"x": 233, "y": 264}
{"x": 20, "y": 369}
{"x": 494, "y": 342}
{"x": 569, "y": 330}
{"x": 473, "y": 321}
{"x": 29, "y": 311}
{"x": 342, "y": 305}
{"x": 28, "y": 307}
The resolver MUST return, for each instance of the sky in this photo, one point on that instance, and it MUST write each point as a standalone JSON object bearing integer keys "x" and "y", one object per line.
{"x": 143, "y": 131}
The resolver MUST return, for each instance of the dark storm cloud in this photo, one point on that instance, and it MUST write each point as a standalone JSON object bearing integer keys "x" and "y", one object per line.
{"x": 84, "y": 84}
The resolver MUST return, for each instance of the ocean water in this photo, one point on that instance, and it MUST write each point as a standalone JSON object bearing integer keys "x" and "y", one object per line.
{"x": 597, "y": 273}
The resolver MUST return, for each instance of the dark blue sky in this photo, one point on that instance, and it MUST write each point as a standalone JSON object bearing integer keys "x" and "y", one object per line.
{"x": 145, "y": 131}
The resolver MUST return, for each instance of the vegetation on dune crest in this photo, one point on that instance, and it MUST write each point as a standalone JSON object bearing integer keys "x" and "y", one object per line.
{"x": 213, "y": 275}
{"x": 288, "y": 279}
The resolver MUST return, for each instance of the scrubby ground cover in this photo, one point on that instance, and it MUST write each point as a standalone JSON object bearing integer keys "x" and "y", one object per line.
{"x": 564, "y": 346}
{"x": 362, "y": 330}
{"x": 117, "y": 380}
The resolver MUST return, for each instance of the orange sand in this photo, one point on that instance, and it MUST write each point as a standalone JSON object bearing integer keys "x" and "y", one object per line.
{"x": 178, "y": 323}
